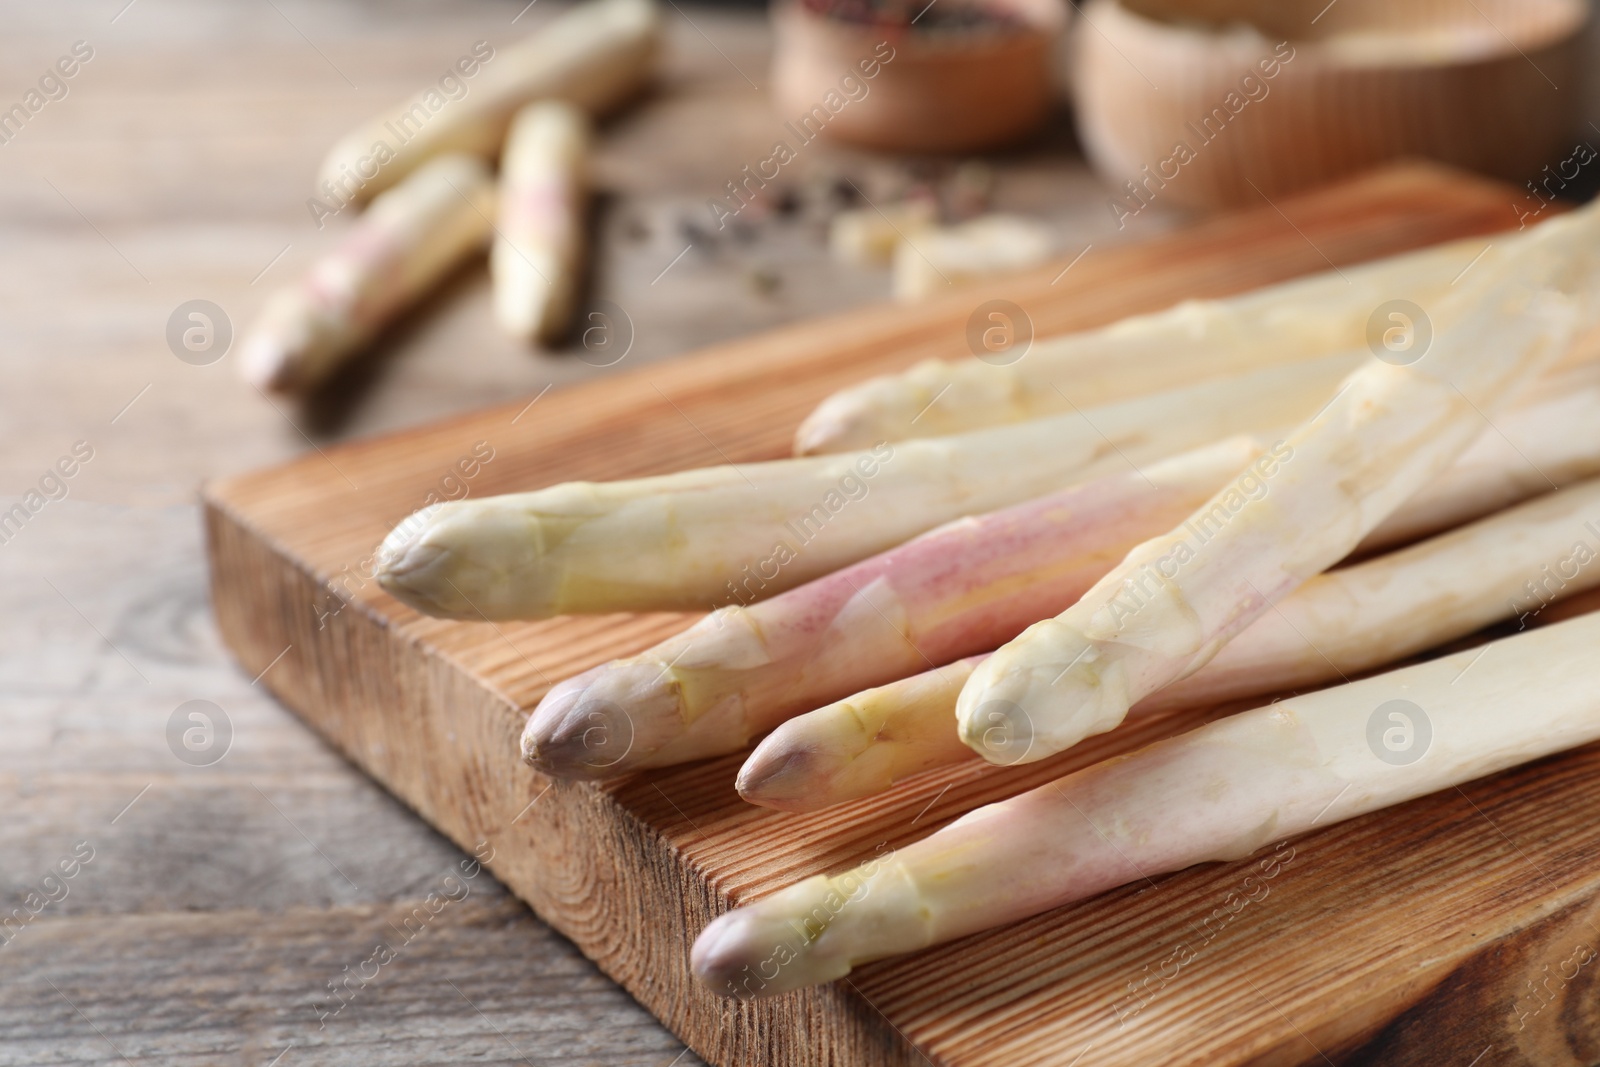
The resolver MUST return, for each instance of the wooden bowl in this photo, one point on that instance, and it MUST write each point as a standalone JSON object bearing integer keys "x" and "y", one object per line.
{"x": 950, "y": 90}
{"x": 1207, "y": 103}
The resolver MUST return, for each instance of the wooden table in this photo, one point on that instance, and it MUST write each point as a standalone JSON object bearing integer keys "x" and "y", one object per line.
{"x": 222, "y": 901}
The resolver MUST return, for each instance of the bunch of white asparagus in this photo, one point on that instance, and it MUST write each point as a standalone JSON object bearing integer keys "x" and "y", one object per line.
{"x": 1072, "y": 542}
{"x": 426, "y": 162}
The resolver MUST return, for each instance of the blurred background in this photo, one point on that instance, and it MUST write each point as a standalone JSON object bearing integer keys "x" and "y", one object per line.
{"x": 178, "y": 162}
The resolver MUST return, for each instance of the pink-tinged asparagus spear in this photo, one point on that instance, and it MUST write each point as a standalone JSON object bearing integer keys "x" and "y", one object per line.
{"x": 954, "y": 591}
{"x": 970, "y": 586}
{"x": 1388, "y": 431}
{"x": 538, "y": 248}
{"x": 407, "y": 242}
{"x": 1216, "y": 793}
{"x": 1340, "y": 623}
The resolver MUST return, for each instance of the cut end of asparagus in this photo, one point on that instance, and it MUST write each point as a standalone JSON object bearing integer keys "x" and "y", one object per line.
{"x": 604, "y": 722}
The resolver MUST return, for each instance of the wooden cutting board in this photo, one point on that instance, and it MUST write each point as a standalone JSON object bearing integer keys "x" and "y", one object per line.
{"x": 1426, "y": 934}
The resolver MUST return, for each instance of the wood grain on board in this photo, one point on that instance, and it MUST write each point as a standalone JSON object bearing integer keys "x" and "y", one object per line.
{"x": 1367, "y": 936}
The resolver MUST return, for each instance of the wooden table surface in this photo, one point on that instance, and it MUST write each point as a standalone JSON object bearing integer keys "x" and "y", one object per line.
{"x": 222, "y": 902}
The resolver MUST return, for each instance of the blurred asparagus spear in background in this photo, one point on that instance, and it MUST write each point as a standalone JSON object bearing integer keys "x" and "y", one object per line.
{"x": 700, "y": 538}
{"x": 969, "y": 586}
{"x": 1216, "y": 793}
{"x": 1178, "y": 598}
{"x": 1340, "y": 623}
{"x": 412, "y": 237}
{"x": 1195, "y": 340}
{"x": 595, "y": 56}
{"x": 868, "y": 236}
{"x": 931, "y": 259}
{"x": 538, "y": 248}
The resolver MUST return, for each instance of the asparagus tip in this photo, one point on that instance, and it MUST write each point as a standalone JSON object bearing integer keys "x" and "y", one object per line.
{"x": 268, "y": 364}
{"x": 768, "y": 948}
{"x": 778, "y": 775}
{"x": 409, "y": 567}
{"x": 599, "y": 724}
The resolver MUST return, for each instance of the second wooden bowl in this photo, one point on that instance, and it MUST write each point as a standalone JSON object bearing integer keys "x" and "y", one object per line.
{"x": 1215, "y": 102}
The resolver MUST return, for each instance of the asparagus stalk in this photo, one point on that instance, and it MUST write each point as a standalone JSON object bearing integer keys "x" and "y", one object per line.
{"x": 934, "y": 259}
{"x": 697, "y": 539}
{"x": 1340, "y": 623}
{"x": 868, "y": 236}
{"x": 956, "y": 590}
{"x": 595, "y": 55}
{"x": 412, "y": 237}
{"x": 965, "y": 588}
{"x": 1178, "y": 598}
{"x": 539, "y": 240}
{"x": 1216, "y": 793}
{"x": 1190, "y": 342}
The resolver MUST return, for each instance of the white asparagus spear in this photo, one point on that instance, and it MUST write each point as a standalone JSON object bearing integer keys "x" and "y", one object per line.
{"x": 406, "y": 243}
{"x": 1216, "y": 793}
{"x": 1551, "y": 438}
{"x": 967, "y": 587}
{"x": 1340, "y": 623}
{"x": 700, "y": 538}
{"x": 1176, "y": 599}
{"x": 868, "y": 236}
{"x": 959, "y": 589}
{"x": 1190, "y": 342}
{"x": 596, "y": 55}
{"x": 933, "y": 259}
{"x": 538, "y": 248}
